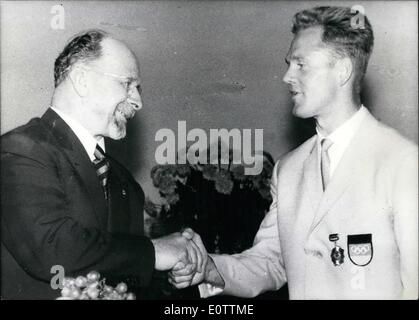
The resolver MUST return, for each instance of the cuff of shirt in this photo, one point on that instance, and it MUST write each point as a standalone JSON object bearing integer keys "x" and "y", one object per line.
{"x": 208, "y": 290}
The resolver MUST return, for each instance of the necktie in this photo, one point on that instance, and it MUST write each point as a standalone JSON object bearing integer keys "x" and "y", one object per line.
{"x": 102, "y": 168}
{"x": 325, "y": 161}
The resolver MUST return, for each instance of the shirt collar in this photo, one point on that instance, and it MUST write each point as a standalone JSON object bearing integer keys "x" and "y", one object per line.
{"x": 346, "y": 130}
{"x": 87, "y": 140}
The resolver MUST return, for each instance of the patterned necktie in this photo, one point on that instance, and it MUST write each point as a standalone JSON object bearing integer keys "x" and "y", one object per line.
{"x": 325, "y": 161}
{"x": 102, "y": 168}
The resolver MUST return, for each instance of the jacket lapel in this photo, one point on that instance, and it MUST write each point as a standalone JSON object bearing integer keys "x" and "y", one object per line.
{"x": 119, "y": 213}
{"x": 348, "y": 169}
{"x": 80, "y": 161}
{"x": 312, "y": 183}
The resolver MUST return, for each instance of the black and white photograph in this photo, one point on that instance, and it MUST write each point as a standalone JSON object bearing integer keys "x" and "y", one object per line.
{"x": 210, "y": 151}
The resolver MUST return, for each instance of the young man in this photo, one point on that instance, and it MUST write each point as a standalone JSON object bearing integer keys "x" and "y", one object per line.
{"x": 344, "y": 219}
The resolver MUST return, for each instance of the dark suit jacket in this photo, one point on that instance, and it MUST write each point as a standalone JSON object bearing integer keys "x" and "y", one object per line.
{"x": 53, "y": 212}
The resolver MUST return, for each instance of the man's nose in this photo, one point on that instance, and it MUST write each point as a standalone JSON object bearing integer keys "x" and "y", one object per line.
{"x": 288, "y": 77}
{"x": 135, "y": 99}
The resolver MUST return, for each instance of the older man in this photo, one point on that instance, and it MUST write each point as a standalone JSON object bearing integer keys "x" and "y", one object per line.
{"x": 64, "y": 201}
{"x": 344, "y": 219}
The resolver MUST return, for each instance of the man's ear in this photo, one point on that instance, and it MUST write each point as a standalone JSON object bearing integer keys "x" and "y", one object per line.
{"x": 78, "y": 78}
{"x": 345, "y": 69}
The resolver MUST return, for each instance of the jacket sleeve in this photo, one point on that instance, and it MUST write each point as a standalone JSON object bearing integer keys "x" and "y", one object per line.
{"x": 405, "y": 209}
{"x": 257, "y": 269}
{"x": 40, "y": 230}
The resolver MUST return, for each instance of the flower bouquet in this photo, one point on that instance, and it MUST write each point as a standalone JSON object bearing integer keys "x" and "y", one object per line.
{"x": 219, "y": 201}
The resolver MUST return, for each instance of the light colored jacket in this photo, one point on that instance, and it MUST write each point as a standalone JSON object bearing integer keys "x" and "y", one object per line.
{"x": 374, "y": 191}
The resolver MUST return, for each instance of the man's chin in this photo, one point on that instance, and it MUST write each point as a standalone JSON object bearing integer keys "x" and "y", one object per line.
{"x": 117, "y": 133}
{"x": 298, "y": 112}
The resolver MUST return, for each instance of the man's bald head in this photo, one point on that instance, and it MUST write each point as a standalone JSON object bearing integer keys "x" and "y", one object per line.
{"x": 97, "y": 78}
{"x": 83, "y": 47}
{"x": 116, "y": 58}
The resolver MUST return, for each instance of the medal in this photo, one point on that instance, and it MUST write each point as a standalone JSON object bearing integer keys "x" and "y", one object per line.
{"x": 337, "y": 254}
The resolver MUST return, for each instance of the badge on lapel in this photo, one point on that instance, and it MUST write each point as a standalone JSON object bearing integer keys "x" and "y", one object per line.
{"x": 360, "y": 249}
{"x": 337, "y": 254}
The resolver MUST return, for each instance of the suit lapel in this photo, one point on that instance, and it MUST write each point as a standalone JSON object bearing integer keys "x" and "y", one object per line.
{"x": 312, "y": 183}
{"x": 348, "y": 169}
{"x": 80, "y": 161}
{"x": 309, "y": 195}
{"x": 119, "y": 214}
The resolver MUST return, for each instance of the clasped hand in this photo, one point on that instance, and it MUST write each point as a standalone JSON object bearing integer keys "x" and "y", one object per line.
{"x": 184, "y": 255}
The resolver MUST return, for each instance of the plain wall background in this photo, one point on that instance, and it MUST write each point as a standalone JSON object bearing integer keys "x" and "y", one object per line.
{"x": 214, "y": 64}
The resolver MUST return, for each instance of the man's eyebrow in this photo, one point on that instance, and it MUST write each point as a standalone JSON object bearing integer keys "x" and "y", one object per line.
{"x": 293, "y": 57}
{"x": 297, "y": 57}
{"x": 132, "y": 79}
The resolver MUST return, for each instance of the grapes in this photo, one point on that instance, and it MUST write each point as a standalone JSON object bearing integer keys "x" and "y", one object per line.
{"x": 69, "y": 282}
{"x": 93, "y": 276}
{"x": 114, "y": 295}
{"x": 107, "y": 289}
{"x": 92, "y": 287}
{"x": 84, "y": 296}
{"x": 121, "y": 287}
{"x": 75, "y": 293}
{"x": 93, "y": 293}
{"x": 130, "y": 296}
{"x": 81, "y": 281}
{"x": 66, "y": 292}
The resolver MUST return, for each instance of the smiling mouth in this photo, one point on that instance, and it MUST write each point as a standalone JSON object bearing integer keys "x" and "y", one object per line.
{"x": 126, "y": 112}
{"x": 294, "y": 93}
{"x": 121, "y": 114}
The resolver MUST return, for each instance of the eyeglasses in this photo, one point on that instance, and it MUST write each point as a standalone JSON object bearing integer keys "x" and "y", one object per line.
{"x": 127, "y": 82}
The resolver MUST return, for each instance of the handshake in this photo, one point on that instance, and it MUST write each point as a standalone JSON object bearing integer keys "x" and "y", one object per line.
{"x": 185, "y": 256}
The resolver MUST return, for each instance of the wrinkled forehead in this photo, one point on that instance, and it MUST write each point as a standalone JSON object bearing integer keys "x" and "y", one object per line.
{"x": 118, "y": 59}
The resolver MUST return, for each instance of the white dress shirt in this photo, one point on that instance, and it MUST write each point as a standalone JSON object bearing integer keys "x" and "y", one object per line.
{"x": 87, "y": 140}
{"x": 341, "y": 138}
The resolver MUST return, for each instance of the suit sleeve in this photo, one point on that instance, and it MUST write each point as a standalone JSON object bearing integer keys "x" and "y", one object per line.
{"x": 40, "y": 230}
{"x": 405, "y": 208}
{"x": 257, "y": 269}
